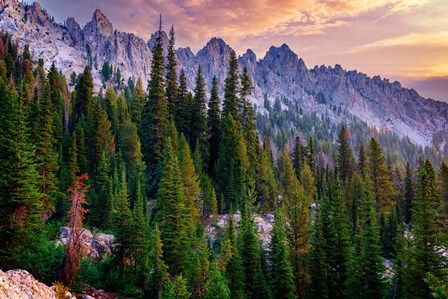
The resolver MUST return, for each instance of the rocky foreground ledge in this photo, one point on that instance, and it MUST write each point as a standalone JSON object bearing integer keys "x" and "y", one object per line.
{"x": 21, "y": 285}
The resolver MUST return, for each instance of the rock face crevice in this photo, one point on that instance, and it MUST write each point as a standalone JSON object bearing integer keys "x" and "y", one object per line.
{"x": 281, "y": 73}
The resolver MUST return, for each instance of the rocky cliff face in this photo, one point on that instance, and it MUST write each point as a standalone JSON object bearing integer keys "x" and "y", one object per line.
{"x": 280, "y": 74}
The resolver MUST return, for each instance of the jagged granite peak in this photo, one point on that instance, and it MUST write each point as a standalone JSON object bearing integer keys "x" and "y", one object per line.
{"x": 184, "y": 55}
{"x": 281, "y": 74}
{"x": 249, "y": 56}
{"x": 216, "y": 47}
{"x": 214, "y": 60}
{"x": 99, "y": 25}
{"x": 283, "y": 56}
{"x": 74, "y": 30}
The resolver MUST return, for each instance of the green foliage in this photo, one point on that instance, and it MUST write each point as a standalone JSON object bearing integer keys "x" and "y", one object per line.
{"x": 171, "y": 73}
{"x": 21, "y": 202}
{"x": 171, "y": 210}
{"x": 217, "y": 287}
{"x": 345, "y": 158}
{"x": 382, "y": 187}
{"x": 213, "y": 122}
{"x": 232, "y": 102}
{"x": 281, "y": 270}
{"x": 155, "y": 116}
{"x": 295, "y": 212}
{"x": 424, "y": 256}
{"x": 198, "y": 121}
{"x": 232, "y": 164}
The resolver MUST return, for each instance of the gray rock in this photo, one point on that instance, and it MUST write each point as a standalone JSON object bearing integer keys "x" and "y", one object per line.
{"x": 21, "y": 284}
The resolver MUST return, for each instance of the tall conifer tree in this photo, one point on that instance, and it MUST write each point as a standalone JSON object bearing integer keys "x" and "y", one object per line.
{"x": 155, "y": 114}
{"x": 171, "y": 73}
{"x": 213, "y": 123}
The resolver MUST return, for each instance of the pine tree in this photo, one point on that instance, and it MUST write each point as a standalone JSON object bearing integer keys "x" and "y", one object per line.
{"x": 319, "y": 283}
{"x": 84, "y": 97}
{"x": 110, "y": 105}
{"x": 104, "y": 140}
{"x": 232, "y": 164}
{"x": 140, "y": 222}
{"x": 295, "y": 210}
{"x": 102, "y": 207}
{"x": 267, "y": 185}
{"x": 307, "y": 181}
{"x": 281, "y": 271}
{"x": 21, "y": 204}
{"x": 171, "y": 210}
{"x": 198, "y": 125}
{"x": 362, "y": 160}
{"x": 45, "y": 153}
{"x": 158, "y": 270}
{"x": 216, "y": 287}
{"x": 368, "y": 268}
{"x": 234, "y": 265}
{"x": 443, "y": 182}
{"x": 213, "y": 121}
{"x": 183, "y": 107}
{"x": 138, "y": 103}
{"x": 311, "y": 156}
{"x": 176, "y": 288}
{"x": 427, "y": 234}
{"x": 337, "y": 235}
{"x": 123, "y": 224}
{"x": 73, "y": 168}
{"x": 171, "y": 73}
{"x": 248, "y": 123}
{"x": 345, "y": 157}
{"x": 210, "y": 202}
{"x": 129, "y": 144}
{"x": 232, "y": 103}
{"x": 83, "y": 162}
{"x": 409, "y": 194}
{"x": 382, "y": 186}
{"x": 297, "y": 159}
{"x": 197, "y": 267}
{"x": 190, "y": 181}
{"x": 250, "y": 253}
{"x": 155, "y": 116}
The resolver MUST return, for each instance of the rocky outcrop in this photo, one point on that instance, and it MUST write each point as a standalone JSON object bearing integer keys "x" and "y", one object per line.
{"x": 263, "y": 224}
{"x": 94, "y": 246}
{"x": 281, "y": 73}
{"x": 19, "y": 284}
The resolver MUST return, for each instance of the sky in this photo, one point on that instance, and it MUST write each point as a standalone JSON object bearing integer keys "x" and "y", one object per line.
{"x": 404, "y": 40}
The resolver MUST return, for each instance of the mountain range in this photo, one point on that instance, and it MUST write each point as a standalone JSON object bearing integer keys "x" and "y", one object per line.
{"x": 327, "y": 91}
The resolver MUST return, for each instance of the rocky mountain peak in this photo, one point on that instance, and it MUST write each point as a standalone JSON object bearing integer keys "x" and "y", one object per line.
{"x": 280, "y": 74}
{"x": 282, "y": 60}
{"x": 37, "y": 6}
{"x": 74, "y": 30}
{"x": 250, "y": 56}
{"x": 100, "y": 24}
{"x": 217, "y": 45}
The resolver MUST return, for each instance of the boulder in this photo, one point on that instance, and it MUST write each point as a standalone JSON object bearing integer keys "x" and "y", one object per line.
{"x": 92, "y": 246}
{"x": 21, "y": 285}
{"x": 263, "y": 223}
